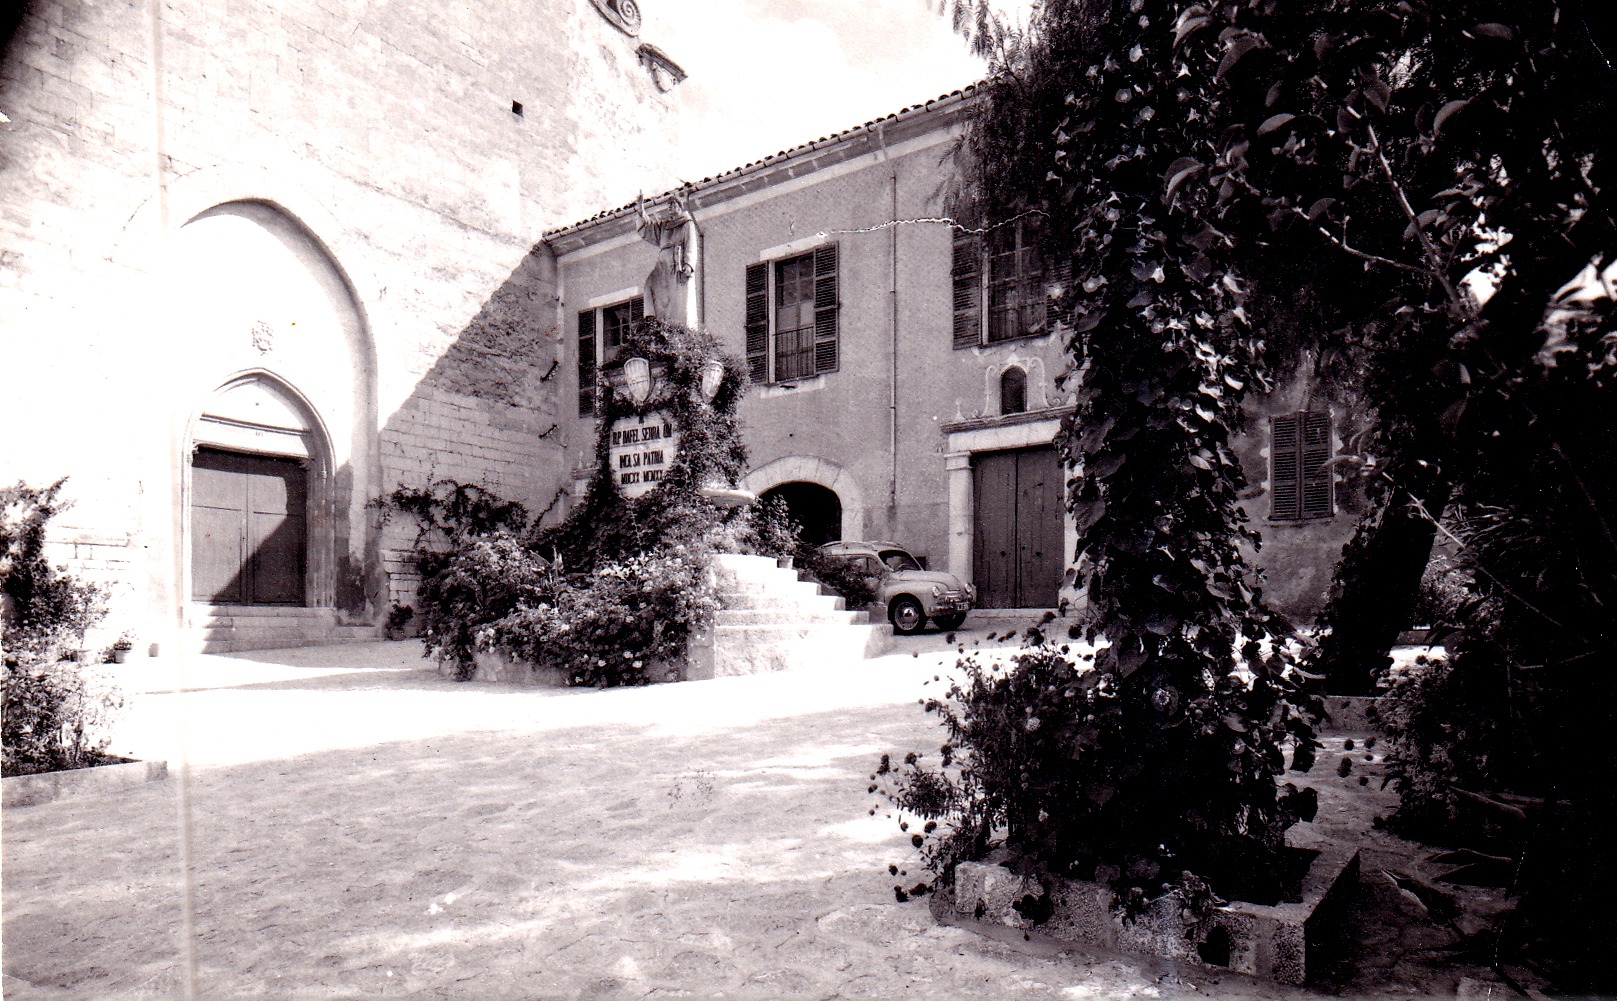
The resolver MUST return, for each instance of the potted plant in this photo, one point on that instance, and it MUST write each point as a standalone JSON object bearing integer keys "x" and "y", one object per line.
{"x": 121, "y": 647}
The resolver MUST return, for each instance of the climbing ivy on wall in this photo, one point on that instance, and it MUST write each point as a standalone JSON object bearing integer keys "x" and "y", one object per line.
{"x": 615, "y": 592}
{"x": 1157, "y": 765}
{"x": 606, "y": 524}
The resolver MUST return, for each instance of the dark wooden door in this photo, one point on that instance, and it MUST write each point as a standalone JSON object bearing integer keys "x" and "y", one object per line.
{"x": 248, "y": 529}
{"x": 1018, "y": 540}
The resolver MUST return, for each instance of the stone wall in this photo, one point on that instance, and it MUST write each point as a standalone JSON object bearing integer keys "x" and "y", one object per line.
{"x": 873, "y": 430}
{"x": 895, "y": 430}
{"x": 389, "y": 136}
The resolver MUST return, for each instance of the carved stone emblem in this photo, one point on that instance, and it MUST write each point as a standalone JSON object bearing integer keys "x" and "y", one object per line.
{"x": 666, "y": 73}
{"x": 637, "y": 377}
{"x": 263, "y": 337}
{"x": 712, "y": 377}
{"x": 624, "y": 15}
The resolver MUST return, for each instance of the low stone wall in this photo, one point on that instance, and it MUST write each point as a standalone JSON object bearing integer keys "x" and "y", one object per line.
{"x": 1352, "y": 714}
{"x": 47, "y": 787}
{"x": 1270, "y": 941}
{"x": 492, "y": 666}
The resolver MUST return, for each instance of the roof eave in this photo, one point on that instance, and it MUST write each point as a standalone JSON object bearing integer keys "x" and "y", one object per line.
{"x": 940, "y": 113}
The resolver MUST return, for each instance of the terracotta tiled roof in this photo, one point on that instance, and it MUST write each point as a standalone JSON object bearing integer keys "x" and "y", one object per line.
{"x": 954, "y": 97}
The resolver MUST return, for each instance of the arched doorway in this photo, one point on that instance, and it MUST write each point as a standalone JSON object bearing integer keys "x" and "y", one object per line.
{"x": 815, "y": 508}
{"x": 259, "y": 485}
{"x": 272, "y": 364}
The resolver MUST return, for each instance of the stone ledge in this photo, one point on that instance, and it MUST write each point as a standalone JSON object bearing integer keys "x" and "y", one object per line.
{"x": 1269, "y": 941}
{"x": 47, "y": 787}
{"x": 1354, "y": 714}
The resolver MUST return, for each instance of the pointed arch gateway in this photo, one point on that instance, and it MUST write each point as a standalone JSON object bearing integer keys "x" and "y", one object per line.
{"x": 259, "y": 489}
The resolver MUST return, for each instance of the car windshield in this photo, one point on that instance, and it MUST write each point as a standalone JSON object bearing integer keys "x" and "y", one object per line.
{"x": 898, "y": 559}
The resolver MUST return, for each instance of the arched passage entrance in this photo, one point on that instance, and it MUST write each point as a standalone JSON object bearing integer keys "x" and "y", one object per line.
{"x": 817, "y": 509}
{"x": 260, "y": 481}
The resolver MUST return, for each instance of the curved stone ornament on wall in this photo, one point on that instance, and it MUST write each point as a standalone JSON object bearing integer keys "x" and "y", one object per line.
{"x": 624, "y": 15}
{"x": 263, "y": 337}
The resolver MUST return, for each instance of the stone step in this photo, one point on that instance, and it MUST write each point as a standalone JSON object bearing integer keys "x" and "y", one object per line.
{"x": 746, "y": 563}
{"x": 757, "y": 649}
{"x": 768, "y": 616}
{"x": 236, "y": 628}
{"x": 784, "y": 606}
{"x": 339, "y": 638}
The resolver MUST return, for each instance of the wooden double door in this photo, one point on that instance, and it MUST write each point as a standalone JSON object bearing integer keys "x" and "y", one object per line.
{"x": 1017, "y": 543}
{"x": 249, "y": 529}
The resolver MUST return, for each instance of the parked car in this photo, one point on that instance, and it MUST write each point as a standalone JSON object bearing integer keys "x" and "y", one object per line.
{"x": 911, "y": 594}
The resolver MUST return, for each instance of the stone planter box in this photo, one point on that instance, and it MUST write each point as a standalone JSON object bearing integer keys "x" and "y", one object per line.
{"x": 47, "y": 787}
{"x": 496, "y": 667}
{"x": 1351, "y": 714}
{"x": 1270, "y": 941}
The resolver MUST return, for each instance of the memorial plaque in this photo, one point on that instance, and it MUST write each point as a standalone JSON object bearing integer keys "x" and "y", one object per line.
{"x": 642, "y": 449}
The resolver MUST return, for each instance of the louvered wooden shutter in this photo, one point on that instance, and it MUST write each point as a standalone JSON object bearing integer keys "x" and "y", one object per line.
{"x": 1057, "y": 279}
{"x": 586, "y": 363}
{"x": 1316, "y": 475}
{"x": 1034, "y": 293}
{"x": 1285, "y": 468}
{"x": 968, "y": 291}
{"x": 637, "y": 309}
{"x": 757, "y": 322}
{"x": 825, "y": 308}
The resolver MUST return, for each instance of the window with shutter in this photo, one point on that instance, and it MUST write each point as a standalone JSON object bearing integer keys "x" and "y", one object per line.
{"x": 616, "y": 322}
{"x": 791, "y": 317}
{"x": 1016, "y": 292}
{"x": 825, "y": 309}
{"x": 757, "y": 322}
{"x": 1317, "y": 499}
{"x": 794, "y": 318}
{"x": 586, "y": 363}
{"x": 601, "y": 333}
{"x": 1000, "y": 286}
{"x": 1300, "y": 481}
{"x": 967, "y": 277}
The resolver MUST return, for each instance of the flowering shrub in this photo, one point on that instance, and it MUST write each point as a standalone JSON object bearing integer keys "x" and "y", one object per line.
{"x": 1450, "y": 725}
{"x": 621, "y": 585}
{"x": 57, "y": 716}
{"x": 47, "y": 611}
{"x": 841, "y": 576}
{"x": 57, "y": 713}
{"x": 612, "y": 626}
{"x": 461, "y": 591}
{"x": 1148, "y": 786}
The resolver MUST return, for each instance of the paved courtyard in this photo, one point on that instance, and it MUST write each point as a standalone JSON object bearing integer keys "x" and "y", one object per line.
{"x": 345, "y": 822}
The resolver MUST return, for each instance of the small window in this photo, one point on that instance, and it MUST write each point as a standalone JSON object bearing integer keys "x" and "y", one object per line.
{"x": 600, "y": 333}
{"x": 791, "y": 316}
{"x": 1300, "y": 480}
{"x": 1013, "y": 391}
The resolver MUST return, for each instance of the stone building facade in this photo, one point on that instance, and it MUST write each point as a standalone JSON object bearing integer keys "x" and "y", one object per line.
{"x": 260, "y": 263}
{"x": 906, "y": 370}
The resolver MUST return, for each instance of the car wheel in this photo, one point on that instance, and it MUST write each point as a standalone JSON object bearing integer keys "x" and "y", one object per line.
{"x": 907, "y": 615}
{"x": 949, "y": 623}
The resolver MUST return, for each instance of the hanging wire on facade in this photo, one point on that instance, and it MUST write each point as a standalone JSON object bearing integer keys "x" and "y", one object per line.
{"x": 949, "y": 221}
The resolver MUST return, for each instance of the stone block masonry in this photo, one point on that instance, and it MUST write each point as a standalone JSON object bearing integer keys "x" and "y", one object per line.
{"x": 411, "y": 198}
{"x": 1269, "y": 941}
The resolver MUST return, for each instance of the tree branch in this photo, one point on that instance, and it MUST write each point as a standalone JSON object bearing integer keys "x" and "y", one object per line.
{"x": 1460, "y": 305}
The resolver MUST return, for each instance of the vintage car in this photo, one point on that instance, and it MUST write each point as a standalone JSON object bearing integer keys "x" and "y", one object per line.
{"x": 911, "y": 594}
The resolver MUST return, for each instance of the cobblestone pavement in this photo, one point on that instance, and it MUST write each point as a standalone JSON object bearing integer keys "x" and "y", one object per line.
{"x": 347, "y": 823}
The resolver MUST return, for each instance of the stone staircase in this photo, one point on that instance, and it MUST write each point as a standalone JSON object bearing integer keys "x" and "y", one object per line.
{"x": 770, "y": 620}
{"x": 234, "y": 628}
